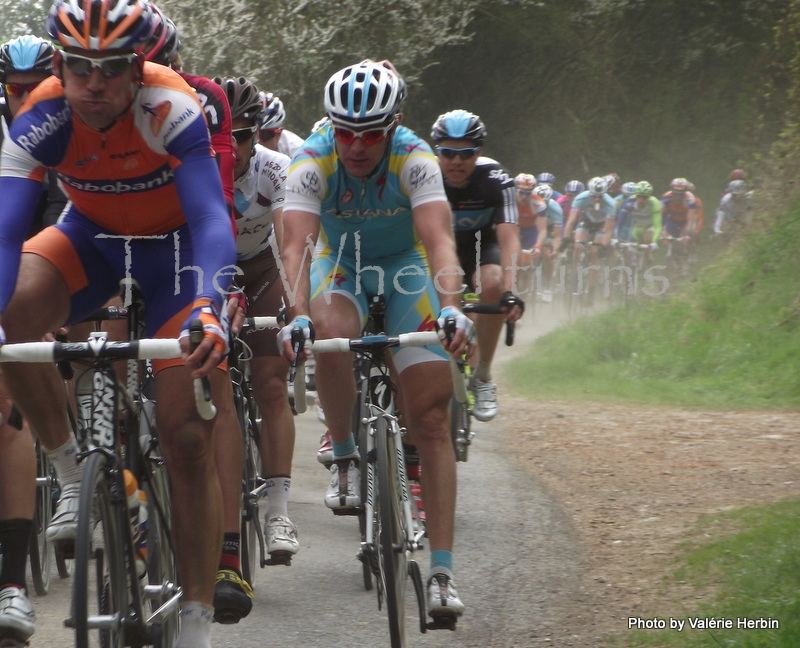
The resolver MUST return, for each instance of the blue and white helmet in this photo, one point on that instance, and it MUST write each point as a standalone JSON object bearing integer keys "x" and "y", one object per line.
{"x": 365, "y": 95}
{"x": 458, "y": 124}
{"x": 574, "y": 187}
{"x": 546, "y": 178}
{"x": 25, "y": 54}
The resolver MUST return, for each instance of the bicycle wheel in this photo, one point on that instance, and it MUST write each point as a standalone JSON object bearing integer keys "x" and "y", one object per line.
{"x": 163, "y": 592}
{"x": 391, "y": 534}
{"x": 251, "y": 482}
{"x": 361, "y": 434}
{"x": 40, "y": 553}
{"x": 100, "y": 595}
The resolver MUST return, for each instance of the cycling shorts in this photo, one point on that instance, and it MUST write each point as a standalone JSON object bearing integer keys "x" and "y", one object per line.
{"x": 528, "y": 236}
{"x": 594, "y": 230}
{"x": 638, "y": 232}
{"x": 92, "y": 261}
{"x": 672, "y": 227}
{"x": 404, "y": 282}
{"x": 262, "y": 285}
{"x": 467, "y": 250}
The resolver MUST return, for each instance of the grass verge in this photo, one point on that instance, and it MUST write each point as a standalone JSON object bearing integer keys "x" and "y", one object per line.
{"x": 754, "y": 577}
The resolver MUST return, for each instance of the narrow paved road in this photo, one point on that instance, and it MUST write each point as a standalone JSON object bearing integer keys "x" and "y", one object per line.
{"x": 516, "y": 563}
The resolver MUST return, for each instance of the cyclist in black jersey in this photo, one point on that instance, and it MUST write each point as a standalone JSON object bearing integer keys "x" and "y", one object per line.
{"x": 482, "y": 196}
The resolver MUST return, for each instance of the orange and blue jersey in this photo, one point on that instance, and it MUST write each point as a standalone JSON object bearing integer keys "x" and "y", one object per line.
{"x": 151, "y": 173}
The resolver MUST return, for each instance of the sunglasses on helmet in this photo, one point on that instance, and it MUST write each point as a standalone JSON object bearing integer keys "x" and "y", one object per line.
{"x": 109, "y": 66}
{"x": 369, "y": 137}
{"x": 243, "y": 135}
{"x": 461, "y": 153}
{"x": 19, "y": 89}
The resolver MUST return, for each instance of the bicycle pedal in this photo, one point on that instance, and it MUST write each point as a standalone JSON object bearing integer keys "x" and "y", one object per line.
{"x": 351, "y": 510}
{"x": 65, "y": 549}
{"x": 227, "y": 617}
{"x": 443, "y": 622}
{"x": 279, "y": 558}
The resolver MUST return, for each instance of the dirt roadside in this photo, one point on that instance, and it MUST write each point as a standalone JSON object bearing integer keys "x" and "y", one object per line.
{"x": 635, "y": 482}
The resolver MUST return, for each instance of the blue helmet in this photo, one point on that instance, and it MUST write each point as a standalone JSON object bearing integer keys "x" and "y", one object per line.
{"x": 458, "y": 124}
{"x": 25, "y": 54}
{"x": 545, "y": 178}
{"x": 574, "y": 187}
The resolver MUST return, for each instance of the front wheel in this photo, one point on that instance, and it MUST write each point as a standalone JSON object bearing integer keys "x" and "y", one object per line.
{"x": 40, "y": 553}
{"x": 391, "y": 537}
{"x": 100, "y": 594}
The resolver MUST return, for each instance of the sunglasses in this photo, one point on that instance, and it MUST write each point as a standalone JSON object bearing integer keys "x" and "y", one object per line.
{"x": 461, "y": 153}
{"x": 109, "y": 66}
{"x": 368, "y": 137}
{"x": 243, "y": 135}
{"x": 19, "y": 89}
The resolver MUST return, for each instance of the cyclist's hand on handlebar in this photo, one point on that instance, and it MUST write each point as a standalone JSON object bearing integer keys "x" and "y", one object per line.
{"x": 512, "y": 306}
{"x": 214, "y": 346}
{"x": 565, "y": 243}
{"x": 237, "y": 310}
{"x": 463, "y": 330}
{"x": 306, "y": 326}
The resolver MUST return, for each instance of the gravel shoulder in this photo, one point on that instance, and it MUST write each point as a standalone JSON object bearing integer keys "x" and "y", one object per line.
{"x": 635, "y": 482}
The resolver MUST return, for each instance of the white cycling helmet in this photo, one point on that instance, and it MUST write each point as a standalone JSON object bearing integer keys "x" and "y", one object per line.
{"x": 274, "y": 112}
{"x": 544, "y": 191}
{"x": 597, "y": 186}
{"x": 367, "y": 95}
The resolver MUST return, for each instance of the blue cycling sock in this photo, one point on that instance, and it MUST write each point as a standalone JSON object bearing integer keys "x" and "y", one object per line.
{"x": 346, "y": 449}
{"x": 441, "y": 560}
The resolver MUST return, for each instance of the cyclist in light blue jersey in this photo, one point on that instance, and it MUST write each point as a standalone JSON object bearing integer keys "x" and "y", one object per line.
{"x": 368, "y": 192}
{"x": 591, "y": 217}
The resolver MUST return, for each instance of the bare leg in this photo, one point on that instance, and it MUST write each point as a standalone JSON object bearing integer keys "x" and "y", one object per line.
{"x": 197, "y": 498}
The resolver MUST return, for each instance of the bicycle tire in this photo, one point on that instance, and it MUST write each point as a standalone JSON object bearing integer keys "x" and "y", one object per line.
{"x": 161, "y": 568}
{"x": 391, "y": 537}
{"x": 251, "y": 477}
{"x": 39, "y": 550}
{"x": 361, "y": 434}
{"x": 100, "y": 583}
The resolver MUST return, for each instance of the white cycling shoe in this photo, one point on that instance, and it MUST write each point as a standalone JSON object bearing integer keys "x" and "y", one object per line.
{"x": 17, "y": 618}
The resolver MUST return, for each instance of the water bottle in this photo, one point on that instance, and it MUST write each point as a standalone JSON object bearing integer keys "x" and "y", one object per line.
{"x": 137, "y": 513}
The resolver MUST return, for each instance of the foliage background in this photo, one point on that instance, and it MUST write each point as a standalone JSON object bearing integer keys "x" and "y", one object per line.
{"x": 649, "y": 89}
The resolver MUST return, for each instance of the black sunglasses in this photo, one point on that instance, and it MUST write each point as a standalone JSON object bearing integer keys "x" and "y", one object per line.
{"x": 462, "y": 153}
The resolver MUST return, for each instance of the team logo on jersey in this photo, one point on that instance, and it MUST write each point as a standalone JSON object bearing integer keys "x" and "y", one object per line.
{"x": 347, "y": 197}
{"x": 337, "y": 278}
{"x": 428, "y": 324}
{"x": 158, "y": 115}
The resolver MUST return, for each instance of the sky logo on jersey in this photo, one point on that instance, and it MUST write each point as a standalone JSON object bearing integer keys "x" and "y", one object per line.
{"x": 158, "y": 178}
{"x": 158, "y": 115}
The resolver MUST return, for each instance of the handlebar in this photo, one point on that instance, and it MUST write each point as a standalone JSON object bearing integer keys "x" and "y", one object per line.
{"x": 491, "y": 309}
{"x": 144, "y": 349}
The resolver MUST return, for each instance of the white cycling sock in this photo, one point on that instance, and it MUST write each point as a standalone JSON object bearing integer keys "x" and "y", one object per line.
{"x": 195, "y": 625}
{"x": 65, "y": 462}
{"x": 277, "y": 496}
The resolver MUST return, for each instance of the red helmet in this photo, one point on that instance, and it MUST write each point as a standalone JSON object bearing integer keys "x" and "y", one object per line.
{"x": 738, "y": 174}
